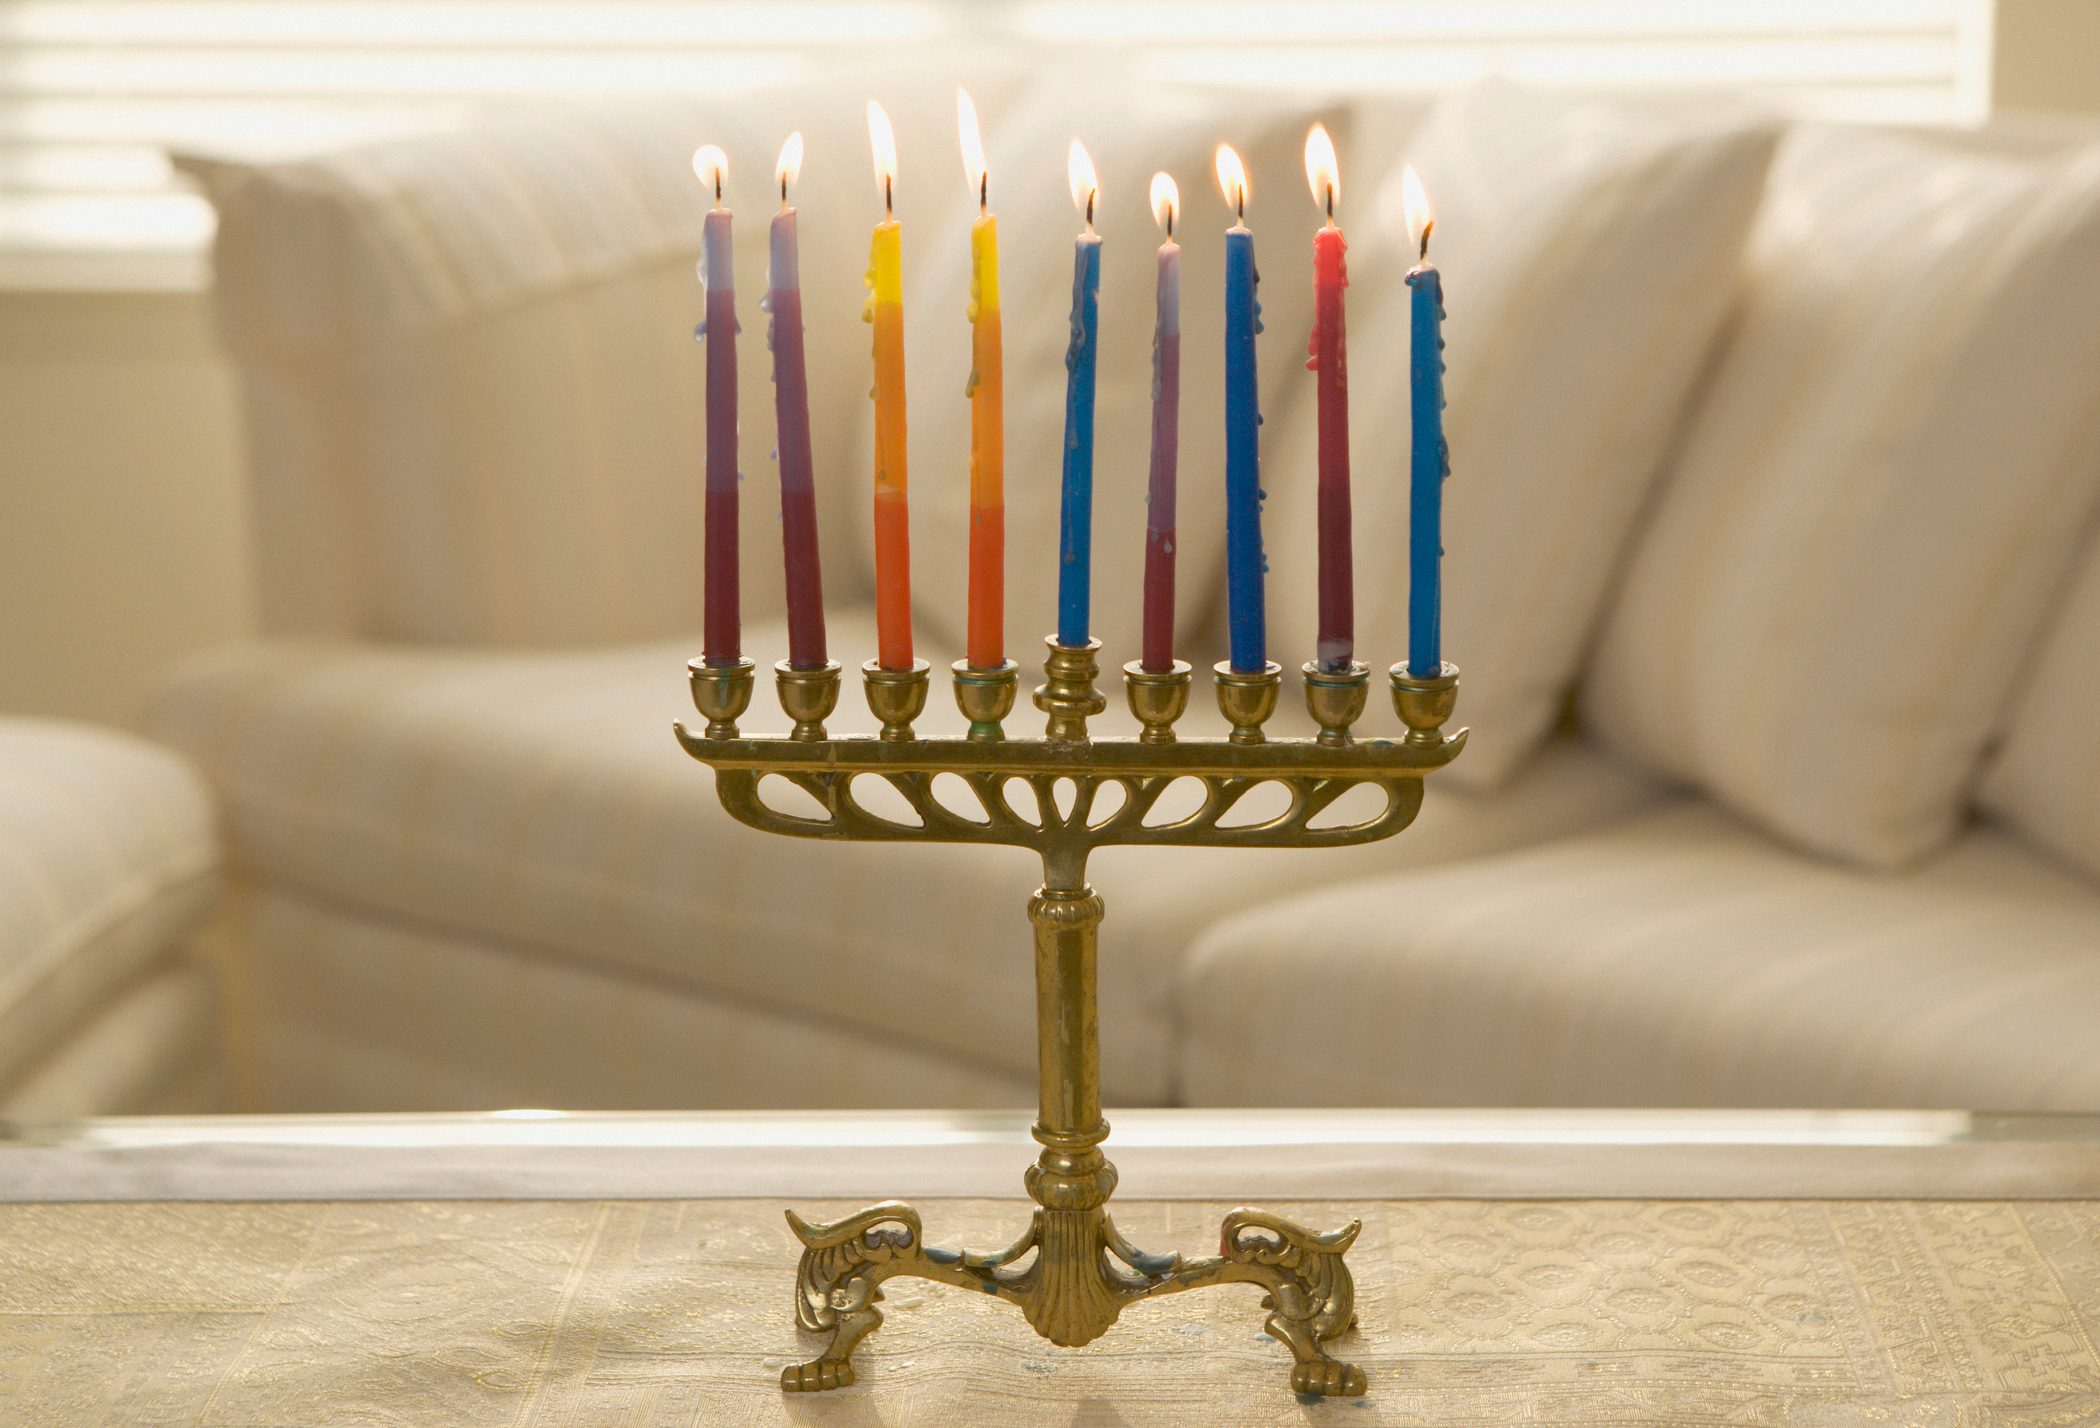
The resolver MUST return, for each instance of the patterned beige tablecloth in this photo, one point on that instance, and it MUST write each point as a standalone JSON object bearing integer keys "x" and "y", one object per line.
{"x": 589, "y": 1314}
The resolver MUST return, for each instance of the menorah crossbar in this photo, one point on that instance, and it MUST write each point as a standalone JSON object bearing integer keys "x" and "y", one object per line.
{"x": 1071, "y": 1272}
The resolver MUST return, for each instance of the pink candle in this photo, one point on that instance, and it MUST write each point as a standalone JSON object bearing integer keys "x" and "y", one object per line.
{"x": 1166, "y": 438}
{"x": 1336, "y": 648}
{"x": 798, "y": 492}
{"x": 722, "y": 639}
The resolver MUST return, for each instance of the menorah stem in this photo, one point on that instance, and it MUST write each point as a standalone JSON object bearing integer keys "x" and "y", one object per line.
{"x": 1072, "y": 1298}
{"x": 1068, "y": 1035}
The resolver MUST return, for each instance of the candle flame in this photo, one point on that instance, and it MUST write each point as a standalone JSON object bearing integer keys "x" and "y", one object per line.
{"x": 883, "y": 140}
{"x": 1232, "y": 179}
{"x": 1420, "y": 216}
{"x": 972, "y": 143}
{"x": 712, "y": 165}
{"x": 1166, "y": 201}
{"x": 1322, "y": 170}
{"x": 790, "y": 166}
{"x": 1086, "y": 188}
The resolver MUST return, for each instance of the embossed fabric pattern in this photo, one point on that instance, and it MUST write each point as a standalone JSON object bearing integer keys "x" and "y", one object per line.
{"x": 1794, "y": 1312}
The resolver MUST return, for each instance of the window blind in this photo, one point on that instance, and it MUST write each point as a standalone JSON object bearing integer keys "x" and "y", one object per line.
{"x": 92, "y": 92}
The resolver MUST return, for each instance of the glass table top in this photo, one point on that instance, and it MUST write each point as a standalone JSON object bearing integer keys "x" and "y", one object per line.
{"x": 1166, "y": 1154}
{"x": 1206, "y": 1128}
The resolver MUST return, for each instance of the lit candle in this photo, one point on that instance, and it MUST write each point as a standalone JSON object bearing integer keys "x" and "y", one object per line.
{"x": 985, "y": 643}
{"x": 1328, "y": 359}
{"x": 1430, "y": 458}
{"x": 1076, "y": 523}
{"x": 798, "y": 492}
{"x": 1166, "y": 437}
{"x": 885, "y": 310}
{"x": 722, "y": 636}
{"x": 1243, "y": 553}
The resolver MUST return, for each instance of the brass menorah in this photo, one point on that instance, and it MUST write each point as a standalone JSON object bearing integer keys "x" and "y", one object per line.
{"x": 1084, "y": 1272}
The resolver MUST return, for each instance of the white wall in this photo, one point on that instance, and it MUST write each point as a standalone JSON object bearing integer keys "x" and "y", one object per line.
{"x": 2046, "y": 55}
{"x": 123, "y": 542}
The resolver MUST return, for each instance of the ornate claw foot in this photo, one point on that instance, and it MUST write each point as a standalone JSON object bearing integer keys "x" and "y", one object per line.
{"x": 1311, "y": 1296}
{"x": 838, "y": 1283}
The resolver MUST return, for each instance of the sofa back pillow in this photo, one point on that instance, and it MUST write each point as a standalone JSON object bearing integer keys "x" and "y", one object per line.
{"x": 473, "y": 397}
{"x": 1589, "y": 249}
{"x": 2045, "y": 780}
{"x": 1153, "y": 128}
{"x": 1878, "y": 496}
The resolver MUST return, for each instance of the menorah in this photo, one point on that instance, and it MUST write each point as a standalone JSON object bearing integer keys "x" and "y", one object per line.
{"x": 1084, "y": 1272}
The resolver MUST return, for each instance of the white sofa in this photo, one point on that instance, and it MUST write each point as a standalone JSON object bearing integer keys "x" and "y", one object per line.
{"x": 109, "y": 868}
{"x": 477, "y": 871}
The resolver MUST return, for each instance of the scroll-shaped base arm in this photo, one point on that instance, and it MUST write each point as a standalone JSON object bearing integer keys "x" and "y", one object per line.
{"x": 1311, "y": 1298}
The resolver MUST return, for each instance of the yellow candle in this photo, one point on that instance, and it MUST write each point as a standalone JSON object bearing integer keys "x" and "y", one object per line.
{"x": 885, "y": 310}
{"x": 986, "y": 642}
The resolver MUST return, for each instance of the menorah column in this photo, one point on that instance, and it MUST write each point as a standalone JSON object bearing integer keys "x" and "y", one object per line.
{"x": 1071, "y": 1301}
{"x": 1067, "y": 1022}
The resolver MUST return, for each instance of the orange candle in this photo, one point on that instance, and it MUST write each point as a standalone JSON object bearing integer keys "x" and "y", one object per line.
{"x": 986, "y": 642}
{"x": 885, "y": 310}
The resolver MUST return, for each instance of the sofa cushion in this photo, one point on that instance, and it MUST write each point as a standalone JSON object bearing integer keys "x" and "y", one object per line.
{"x": 2045, "y": 781}
{"x": 108, "y": 855}
{"x": 361, "y": 1013}
{"x": 1590, "y": 249}
{"x": 1878, "y": 497}
{"x": 539, "y": 801}
{"x": 1679, "y": 958}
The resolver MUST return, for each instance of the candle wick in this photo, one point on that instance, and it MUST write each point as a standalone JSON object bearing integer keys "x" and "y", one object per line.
{"x": 1170, "y": 223}
{"x": 889, "y": 204}
{"x": 1090, "y": 209}
{"x": 1330, "y": 203}
{"x": 1425, "y": 238}
{"x": 718, "y": 188}
{"x": 1239, "y": 202}
{"x": 783, "y": 191}
{"x": 984, "y": 191}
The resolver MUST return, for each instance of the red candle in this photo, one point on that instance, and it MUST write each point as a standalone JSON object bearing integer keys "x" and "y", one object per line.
{"x": 798, "y": 492}
{"x": 1328, "y": 360}
{"x": 722, "y": 633}
{"x": 1166, "y": 437}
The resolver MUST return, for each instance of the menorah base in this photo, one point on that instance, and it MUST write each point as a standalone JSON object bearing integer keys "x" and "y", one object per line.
{"x": 1083, "y": 1275}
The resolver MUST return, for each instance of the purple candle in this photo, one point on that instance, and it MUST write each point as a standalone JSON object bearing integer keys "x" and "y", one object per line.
{"x": 1166, "y": 438}
{"x": 722, "y": 640}
{"x": 798, "y": 492}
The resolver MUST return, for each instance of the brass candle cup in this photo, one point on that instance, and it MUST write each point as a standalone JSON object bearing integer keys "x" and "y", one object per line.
{"x": 1335, "y": 698}
{"x": 1425, "y": 702}
{"x": 896, "y": 697}
{"x": 1247, "y": 698}
{"x": 807, "y": 696}
{"x": 1158, "y": 698}
{"x": 986, "y": 697}
{"x": 1067, "y": 693}
{"x": 721, "y": 692}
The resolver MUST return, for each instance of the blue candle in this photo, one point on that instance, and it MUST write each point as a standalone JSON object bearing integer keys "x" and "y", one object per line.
{"x": 1243, "y": 555}
{"x": 1430, "y": 457}
{"x": 1076, "y": 525}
